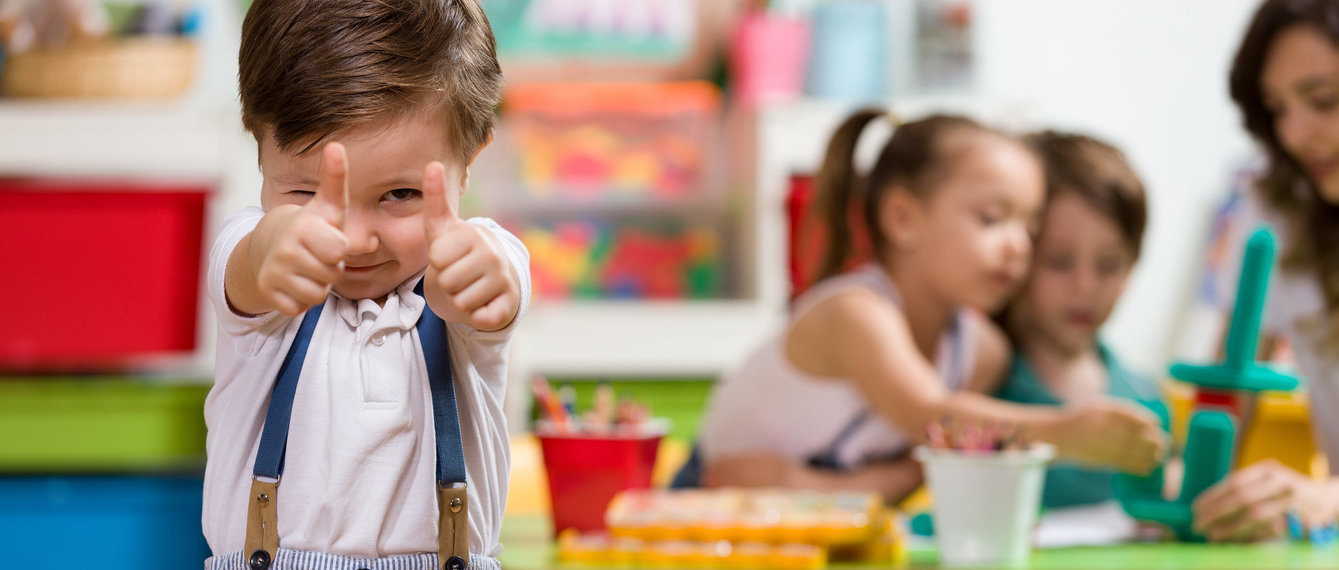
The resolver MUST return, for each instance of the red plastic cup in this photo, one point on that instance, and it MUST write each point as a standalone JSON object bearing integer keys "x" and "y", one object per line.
{"x": 585, "y": 471}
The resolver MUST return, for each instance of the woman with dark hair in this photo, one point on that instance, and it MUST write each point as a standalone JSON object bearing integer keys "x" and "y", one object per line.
{"x": 1285, "y": 80}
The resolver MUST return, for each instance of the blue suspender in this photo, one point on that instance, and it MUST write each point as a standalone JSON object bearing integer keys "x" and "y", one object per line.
{"x": 446, "y": 419}
{"x": 274, "y": 437}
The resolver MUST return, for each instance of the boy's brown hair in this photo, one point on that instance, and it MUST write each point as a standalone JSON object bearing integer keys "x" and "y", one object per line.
{"x": 1099, "y": 174}
{"x": 311, "y": 68}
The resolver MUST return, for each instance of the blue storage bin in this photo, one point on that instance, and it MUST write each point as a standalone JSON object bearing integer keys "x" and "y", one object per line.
{"x": 105, "y": 522}
{"x": 848, "y": 54}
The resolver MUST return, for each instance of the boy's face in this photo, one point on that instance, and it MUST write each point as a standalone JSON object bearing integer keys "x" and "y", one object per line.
{"x": 384, "y": 219}
{"x": 1079, "y": 273}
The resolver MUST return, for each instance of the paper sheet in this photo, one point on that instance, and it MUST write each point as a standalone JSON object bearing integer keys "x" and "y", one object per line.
{"x": 1090, "y": 525}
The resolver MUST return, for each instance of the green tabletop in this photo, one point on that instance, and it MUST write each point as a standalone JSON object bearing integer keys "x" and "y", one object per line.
{"x": 527, "y": 547}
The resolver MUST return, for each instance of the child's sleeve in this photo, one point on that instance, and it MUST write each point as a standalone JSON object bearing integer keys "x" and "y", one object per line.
{"x": 232, "y": 325}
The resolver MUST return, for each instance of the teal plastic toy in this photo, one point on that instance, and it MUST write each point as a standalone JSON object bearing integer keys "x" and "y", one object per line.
{"x": 1212, "y": 433}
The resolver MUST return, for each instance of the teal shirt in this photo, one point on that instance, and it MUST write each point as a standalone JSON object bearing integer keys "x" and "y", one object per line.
{"x": 1068, "y": 485}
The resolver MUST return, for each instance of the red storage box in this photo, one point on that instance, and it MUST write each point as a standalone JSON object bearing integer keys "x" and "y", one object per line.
{"x": 100, "y": 273}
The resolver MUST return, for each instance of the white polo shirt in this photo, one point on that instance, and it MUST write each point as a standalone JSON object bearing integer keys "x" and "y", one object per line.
{"x": 360, "y": 471}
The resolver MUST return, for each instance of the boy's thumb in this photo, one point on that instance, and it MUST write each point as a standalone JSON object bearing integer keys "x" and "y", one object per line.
{"x": 437, "y": 207}
{"x": 332, "y": 193}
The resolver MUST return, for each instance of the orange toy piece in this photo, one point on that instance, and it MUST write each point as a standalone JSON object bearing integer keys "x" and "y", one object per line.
{"x": 763, "y": 528}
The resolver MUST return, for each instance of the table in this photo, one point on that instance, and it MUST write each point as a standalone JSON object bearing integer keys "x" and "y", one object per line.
{"x": 527, "y": 546}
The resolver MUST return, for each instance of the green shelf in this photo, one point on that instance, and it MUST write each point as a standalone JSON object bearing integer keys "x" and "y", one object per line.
{"x": 101, "y": 425}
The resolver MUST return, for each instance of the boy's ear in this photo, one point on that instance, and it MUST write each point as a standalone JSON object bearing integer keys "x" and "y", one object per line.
{"x": 901, "y": 214}
{"x": 480, "y": 149}
{"x": 465, "y": 172}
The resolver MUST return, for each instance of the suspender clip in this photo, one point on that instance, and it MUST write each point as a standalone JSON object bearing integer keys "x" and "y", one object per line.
{"x": 262, "y": 528}
{"x": 453, "y": 533}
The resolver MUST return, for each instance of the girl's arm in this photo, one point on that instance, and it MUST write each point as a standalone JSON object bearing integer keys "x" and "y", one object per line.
{"x": 893, "y": 479}
{"x": 993, "y": 356}
{"x": 858, "y": 335}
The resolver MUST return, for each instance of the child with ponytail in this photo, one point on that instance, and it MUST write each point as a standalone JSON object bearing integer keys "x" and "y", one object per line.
{"x": 876, "y": 350}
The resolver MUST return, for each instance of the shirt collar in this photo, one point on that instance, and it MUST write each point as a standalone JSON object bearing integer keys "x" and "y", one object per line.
{"x": 401, "y": 310}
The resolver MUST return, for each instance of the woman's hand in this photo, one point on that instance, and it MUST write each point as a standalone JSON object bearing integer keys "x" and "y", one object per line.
{"x": 1251, "y": 504}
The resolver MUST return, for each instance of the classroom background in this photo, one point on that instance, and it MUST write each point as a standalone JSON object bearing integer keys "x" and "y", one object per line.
{"x": 651, "y": 154}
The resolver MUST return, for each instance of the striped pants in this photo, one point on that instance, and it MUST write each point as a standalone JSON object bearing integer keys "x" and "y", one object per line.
{"x": 285, "y": 559}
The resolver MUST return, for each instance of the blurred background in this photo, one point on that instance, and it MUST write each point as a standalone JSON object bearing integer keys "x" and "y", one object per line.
{"x": 652, "y": 154}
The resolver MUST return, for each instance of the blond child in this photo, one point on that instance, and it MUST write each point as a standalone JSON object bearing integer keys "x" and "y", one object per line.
{"x": 357, "y": 277}
{"x": 872, "y": 355}
{"x": 1091, "y": 234}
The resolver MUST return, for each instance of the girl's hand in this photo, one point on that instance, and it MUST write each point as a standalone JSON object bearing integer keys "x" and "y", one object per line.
{"x": 1111, "y": 433}
{"x": 471, "y": 277}
{"x": 1251, "y": 504}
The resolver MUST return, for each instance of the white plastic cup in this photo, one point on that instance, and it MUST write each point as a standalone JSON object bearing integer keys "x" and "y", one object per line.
{"x": 985, "y": 503}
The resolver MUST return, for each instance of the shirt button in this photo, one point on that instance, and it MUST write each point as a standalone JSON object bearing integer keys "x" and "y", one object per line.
{"x": 379, "y": 339}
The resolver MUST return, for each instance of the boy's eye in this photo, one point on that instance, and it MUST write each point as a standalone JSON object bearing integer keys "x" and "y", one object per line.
{"x": 401, "y": 194}
{"x": 1324, "y": 103}
{"x": 1108, "y": 266}
{"x": 304, "y": 194}
{"x": 1059, "y": 263}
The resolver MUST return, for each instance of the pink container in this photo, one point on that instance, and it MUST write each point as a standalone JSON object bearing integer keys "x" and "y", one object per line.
{"x": 769, "y": 54}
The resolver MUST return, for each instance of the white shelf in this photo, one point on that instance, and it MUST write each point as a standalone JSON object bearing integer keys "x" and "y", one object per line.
{"x": 679, "y": 338}
{"x": 634, "y": 338}
{"x": 75, "y": 139}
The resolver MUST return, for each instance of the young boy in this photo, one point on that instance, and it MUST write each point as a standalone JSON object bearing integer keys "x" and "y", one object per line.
{"x": 1092, "y": 231}
{"x": 357, "y": 277}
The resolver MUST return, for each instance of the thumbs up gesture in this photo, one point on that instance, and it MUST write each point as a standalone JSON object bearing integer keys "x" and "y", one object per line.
{"x": 469, "y": 278}
{"x": 297, "y": 252}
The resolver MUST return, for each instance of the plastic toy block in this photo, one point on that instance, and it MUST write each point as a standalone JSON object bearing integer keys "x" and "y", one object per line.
{"x": 1239, "y": 371}
{"x": 1212, "y": 434}
{"x": 1208, "y": 454}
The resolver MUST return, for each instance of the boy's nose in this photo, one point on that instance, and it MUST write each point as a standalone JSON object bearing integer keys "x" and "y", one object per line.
{"x": 361, "y": 233}
{"x": 1085, "y": 279}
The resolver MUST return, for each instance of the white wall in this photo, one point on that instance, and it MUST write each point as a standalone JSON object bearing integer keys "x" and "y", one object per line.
{"x": 1150, "y": 76}
{"x": 1147, "y": 75}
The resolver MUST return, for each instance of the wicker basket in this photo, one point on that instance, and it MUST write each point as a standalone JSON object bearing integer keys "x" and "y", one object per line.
{"x": 132, "y": 68}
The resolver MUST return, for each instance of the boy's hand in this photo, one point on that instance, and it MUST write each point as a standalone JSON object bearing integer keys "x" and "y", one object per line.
{"x": 299, "y": 254}
{"x": 471, "y": 280}
{"x": 1110, "y": 433}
